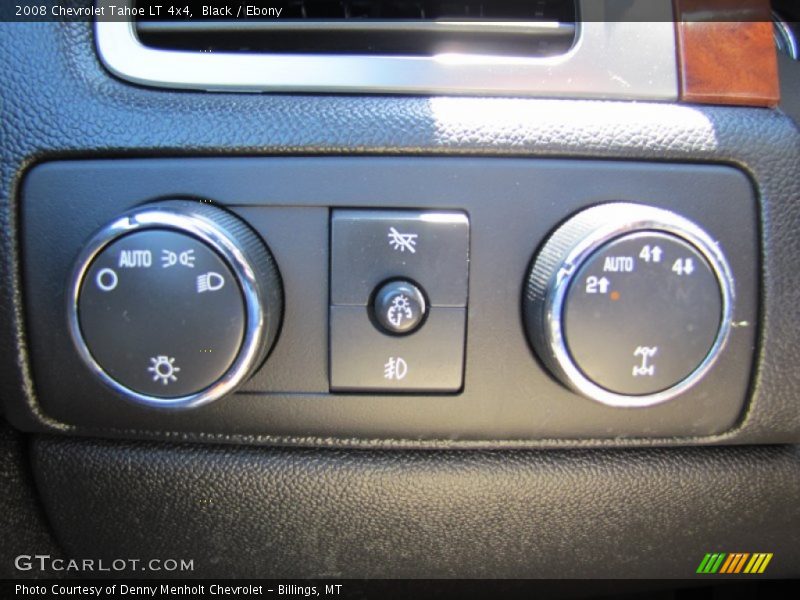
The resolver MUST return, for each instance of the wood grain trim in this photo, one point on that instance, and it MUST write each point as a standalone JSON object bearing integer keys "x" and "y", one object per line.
{"x": 726, "y": 52}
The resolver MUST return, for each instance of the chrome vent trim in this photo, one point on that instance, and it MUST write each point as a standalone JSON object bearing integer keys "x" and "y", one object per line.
{"x": 616, "y": 55}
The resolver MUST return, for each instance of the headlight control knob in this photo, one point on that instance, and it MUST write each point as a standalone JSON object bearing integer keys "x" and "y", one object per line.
{"x": 174, "y": 304}
{"x": 627, "y": 304}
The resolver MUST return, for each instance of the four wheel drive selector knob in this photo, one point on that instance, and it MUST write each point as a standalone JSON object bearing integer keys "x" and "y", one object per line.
{"x": 174, "y": 304}
{"x": 627, "y": 304}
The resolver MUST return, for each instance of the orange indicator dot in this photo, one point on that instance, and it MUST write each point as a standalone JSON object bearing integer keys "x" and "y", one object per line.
{"x": 615, "y": 295}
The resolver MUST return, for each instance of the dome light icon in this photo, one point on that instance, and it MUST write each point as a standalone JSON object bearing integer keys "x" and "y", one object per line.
{"x": 400, "y": 309}
{"x": 163, "y": 368}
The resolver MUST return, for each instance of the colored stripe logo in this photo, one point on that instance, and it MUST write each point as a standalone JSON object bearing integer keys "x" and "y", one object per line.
{"x": 734, "y": 563}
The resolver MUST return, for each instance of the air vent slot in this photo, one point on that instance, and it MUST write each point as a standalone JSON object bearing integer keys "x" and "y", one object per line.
{"x": 524, "y": 28}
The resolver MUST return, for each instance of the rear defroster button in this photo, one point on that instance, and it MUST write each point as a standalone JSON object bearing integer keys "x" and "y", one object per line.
{"x": 399, "y": 307}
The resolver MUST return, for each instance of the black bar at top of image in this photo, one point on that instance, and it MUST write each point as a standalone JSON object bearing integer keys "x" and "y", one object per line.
{"x": 241, "y": 10}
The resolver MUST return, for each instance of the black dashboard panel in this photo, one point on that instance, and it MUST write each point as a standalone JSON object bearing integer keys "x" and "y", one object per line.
{"x": 391, "y": 512}
{"x": 511, "y": 205}
{"x": 762, "y": 143}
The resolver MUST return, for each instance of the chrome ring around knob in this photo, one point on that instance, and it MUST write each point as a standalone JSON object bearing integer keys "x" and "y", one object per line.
{"x": 240, "y": 249}
{"x": 554, "y": 270}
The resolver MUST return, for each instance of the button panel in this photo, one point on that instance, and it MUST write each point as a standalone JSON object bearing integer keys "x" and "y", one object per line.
{"x": 510, "y": 391}
{"x": 363, "y": 358}
{"x": 372, "y": 347}
{"x": 370, "y": 247}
